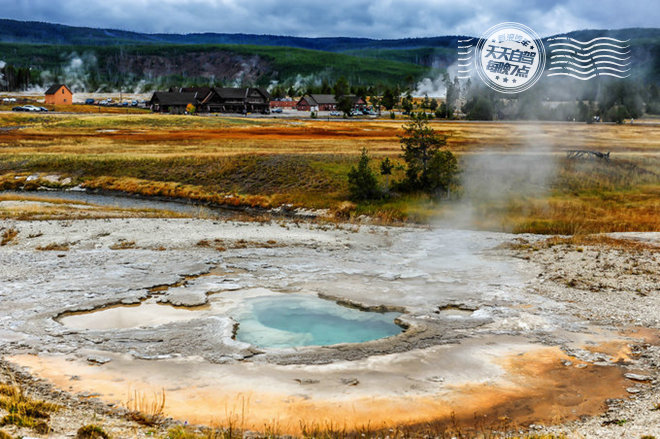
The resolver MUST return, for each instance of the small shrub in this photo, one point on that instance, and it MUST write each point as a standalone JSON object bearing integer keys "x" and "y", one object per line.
{"x": 24, "y": 411}
{"x": 8, "y": 236}
{"x": 22, "y": 420}
{"x": 91, "y": 431}
{"x": 144, "y": 410}
{"x": 123, "y": 245}
{"x": 4, "y": 435}
{"x": 54, "y": 246}
{"x": 362, "y": 182}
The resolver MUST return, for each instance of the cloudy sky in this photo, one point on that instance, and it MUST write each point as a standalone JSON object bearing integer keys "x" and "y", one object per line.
{"x": 356, "y": 18}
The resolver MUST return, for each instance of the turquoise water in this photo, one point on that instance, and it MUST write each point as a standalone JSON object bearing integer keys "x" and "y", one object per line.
{"x": 296, "y": 320}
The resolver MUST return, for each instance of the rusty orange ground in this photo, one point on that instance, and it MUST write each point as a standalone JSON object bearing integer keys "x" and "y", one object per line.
{"x": 171, "y": 135}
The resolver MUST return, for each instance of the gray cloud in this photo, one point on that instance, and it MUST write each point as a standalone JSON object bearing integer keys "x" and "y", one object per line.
{"x": 357, "y": 18}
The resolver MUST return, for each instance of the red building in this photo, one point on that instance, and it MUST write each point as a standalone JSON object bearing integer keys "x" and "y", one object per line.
{"x": 317, "y": 102}
{"x": 59, "y": 94}
{"x": 283, "y": 104}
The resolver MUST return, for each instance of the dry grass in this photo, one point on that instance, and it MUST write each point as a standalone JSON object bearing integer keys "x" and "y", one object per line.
{"x": 237, "y": 162}
{"x": 577, "y": 241}
{"x": 55, "y": 246}
{"x": 91, "y": 431}
{"x": 123, "y": 245}
{"x": 8, "y": 236}
{"x": 23, "y": 411}
{"x": 331, "y": 431}
{"x": 144, "y": 409}
{"x": 149, "y": 134}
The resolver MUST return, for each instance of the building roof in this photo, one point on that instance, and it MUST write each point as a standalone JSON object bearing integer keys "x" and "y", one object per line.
{"x": 231, "y": 92}
{"x": 201, "y": 92}
{"x": 263, "y": 92}
{"x": 322, "y": 99}
{"x": 235, "y": 93}
{"x": 55, "y": 87}
{"x": 173, "y": 98}
{"x": 325, "y": 99}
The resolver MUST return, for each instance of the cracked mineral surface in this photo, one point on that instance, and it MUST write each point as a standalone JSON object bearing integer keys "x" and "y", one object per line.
{"x": 482, "y": 328}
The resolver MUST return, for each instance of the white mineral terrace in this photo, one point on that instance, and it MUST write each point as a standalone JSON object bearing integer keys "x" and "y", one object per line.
{"x": 476, "y": 334}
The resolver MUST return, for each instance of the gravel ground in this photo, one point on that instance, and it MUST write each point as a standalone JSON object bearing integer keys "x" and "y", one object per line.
{"x": 614, "y": 286}
{"x": 516, "y": 290}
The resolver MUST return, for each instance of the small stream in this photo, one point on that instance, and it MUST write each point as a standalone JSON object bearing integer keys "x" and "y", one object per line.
{"x": 126, "y": 201}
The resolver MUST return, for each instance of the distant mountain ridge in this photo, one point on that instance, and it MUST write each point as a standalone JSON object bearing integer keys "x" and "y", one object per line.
{"x": 104, "y": 59}
{"x": 34, "y": 32}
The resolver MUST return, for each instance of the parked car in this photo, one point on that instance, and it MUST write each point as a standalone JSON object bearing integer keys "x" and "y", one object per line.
{"x": 276, "y": 110}
{"x": 18, "y": 109}
{"x": 32, "y": 108}
{"x": 134, "y": 103}
{"x": 89, "y": 101}
{"x": 8, "y": 99}
{"x": 335, "y": 113}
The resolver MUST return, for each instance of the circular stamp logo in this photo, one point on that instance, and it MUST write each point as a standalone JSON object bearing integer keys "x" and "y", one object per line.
{"x": 510, "y": 57}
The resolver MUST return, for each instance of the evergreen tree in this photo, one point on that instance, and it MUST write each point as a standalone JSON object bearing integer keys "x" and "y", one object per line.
{"x": 427, "y": 168}
{"x": 362, "y": 182}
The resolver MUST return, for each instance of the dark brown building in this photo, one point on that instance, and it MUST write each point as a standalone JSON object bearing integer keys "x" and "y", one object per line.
{"x": 324, "y": 102}
{"x": 211, "y": 100}
{"x": 317, "y": 102}
{"x": 172, "y": 102}
{"x": 236, "y": 100}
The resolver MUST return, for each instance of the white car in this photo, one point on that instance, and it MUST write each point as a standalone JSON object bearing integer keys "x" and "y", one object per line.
{"x": 31, "y": 108}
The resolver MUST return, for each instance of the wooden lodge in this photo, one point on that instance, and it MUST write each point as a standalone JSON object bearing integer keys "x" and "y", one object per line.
{"x": 236, "y": 100}
{"x": 325, "y": 102}
{"x": 212, "y": 100}
{"x": 172, "y": 102}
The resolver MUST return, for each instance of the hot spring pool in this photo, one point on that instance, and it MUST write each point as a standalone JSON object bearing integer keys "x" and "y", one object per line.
{"x": 297, "y": 320}
{"x": 271, "y": 320}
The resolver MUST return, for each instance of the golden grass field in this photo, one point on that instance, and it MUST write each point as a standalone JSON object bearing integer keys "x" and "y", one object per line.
{"x": 267, "y": 162}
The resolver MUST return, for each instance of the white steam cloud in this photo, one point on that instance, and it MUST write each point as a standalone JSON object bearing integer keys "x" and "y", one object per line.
{"x": 76, "y": 73}
{"x": 494, "y": 182}
{"x": 2, "y": 76}
{"x": 433, "y": 87}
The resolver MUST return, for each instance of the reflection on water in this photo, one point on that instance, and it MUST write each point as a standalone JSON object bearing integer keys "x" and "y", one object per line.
{"x": 126, "y": 201}
{"x": 297, "y": 320}
{"x": 128, "y": 316}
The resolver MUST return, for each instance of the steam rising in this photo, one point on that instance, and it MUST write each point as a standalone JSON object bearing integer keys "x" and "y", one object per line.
{"x": 495, "y": 182}
{"x": 432, "y": 87}
{"x": 76, "y": 73}
{"x": 2, "y": 76}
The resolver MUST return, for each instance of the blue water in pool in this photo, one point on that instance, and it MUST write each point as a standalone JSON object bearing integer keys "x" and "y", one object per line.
{"x": 296, "y": 320}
